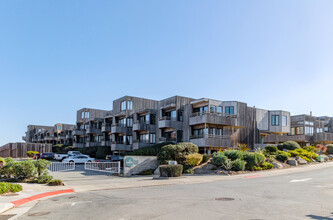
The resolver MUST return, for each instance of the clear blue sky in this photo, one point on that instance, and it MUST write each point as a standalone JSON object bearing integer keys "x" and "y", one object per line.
{"x": 59, "y": 56}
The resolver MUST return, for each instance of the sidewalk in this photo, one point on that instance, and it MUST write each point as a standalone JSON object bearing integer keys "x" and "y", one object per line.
{"x": 30, "y": 193}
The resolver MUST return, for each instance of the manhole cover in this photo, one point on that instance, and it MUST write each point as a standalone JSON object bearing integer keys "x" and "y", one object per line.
{"x": 10, "y": 194}
{"x": 224, "y": 199}
{"x": 39, "y": 213}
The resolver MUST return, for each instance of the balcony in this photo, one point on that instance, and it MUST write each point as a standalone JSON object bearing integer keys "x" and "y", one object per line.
{"x": 34, "y": 139}
{"x": 324, "y": 138}
{"x": 168, "y": 122}
{"x": 272, "y": 138}
{"x": 91, "y": 130}
{"x": 143, "y": 127}
{"x": 49, "y": 138}
{"x": 106, "y": 143}
{"x": 78, "y": 145}
{"x": 24, "y": 138}
{"x": 167, "y": 139}
{"x": 69, "y": 136}
{"x": 120, "y": 146}
{"x": 79, "y": 132}
{"x": 106, "y": 128}
{"x": 92, "y": 144}
{"x": 138, "y": 145}
{"x": 212, "y": 140}
{"x": 213, "y": 118}
{"x": 120, "y": 129}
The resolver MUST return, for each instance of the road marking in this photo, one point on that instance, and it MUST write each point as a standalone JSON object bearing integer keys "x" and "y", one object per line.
{"x": 74, "y": 203}
{"x": 301, "y": 180}
{"x": 255, "y": 176}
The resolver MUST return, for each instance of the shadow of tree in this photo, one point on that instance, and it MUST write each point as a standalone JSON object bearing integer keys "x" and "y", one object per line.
{"x": 319, "y": 217}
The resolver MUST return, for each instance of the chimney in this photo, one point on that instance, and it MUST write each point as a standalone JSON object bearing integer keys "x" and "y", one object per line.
{"x": 310, "y": 113}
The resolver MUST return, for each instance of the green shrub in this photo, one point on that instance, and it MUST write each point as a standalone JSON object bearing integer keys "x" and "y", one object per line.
{"x": 147, "y": 172}
{"x": 41, "y": 165}
{"x": 329, "y": 148}
{"x": 44, "y": 178}
{"x": 9, "y": 187}
{"x": 289, "y": 145}
{"x": 25, "y": 170}
{"x": 56, "y": 183}
{"x": 219, "y": 158}
{"x": 255, "y": 168}
{"x": 253, "y": 159}
{"x": 194, "y": 159}
{"x": 293, "y": 153}
{"x": 306, "y": 159}
{"x": 153, "y": 150}
{"x": 271, "y": 158}
{"x": 177, "y": 152}
{"x": 32, "y": 153}
{"x": 271, "y": 150}
{"x": 8, "y": 170}
{"x": 283, "y": 156}
{"x": 238, "y": 165}
{"x": 267, "y": 166}
{"x": 234, "y": 154}
{"x": 205, "y": 158}
{"x": 171, "y": 170}
{"x": 102, "y": 152}
{"x": 189, "y": 171}
{"x": 310, "y": 148}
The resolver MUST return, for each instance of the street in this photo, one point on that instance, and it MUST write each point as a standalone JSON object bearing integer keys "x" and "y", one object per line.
{"x": 302, "y": 195}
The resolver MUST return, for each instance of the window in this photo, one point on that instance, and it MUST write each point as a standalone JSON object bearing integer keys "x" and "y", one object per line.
{"x": 201, "y": 109}
{"x": 144, "y": 138}
{"x": 275, "y": 120}
{"x": 326, "y": 129}
{"x": 147, "y": 119}
{"x": 300, "y": 130}
{"x": 219, "y": 109}
{"x": 87, "y": 115}
{"x": 59, "y": 128}
{"x": 123, "y": 106}
{"x": 152, "y": 138}
{"x": 284, "y": 121}
{"x": 229, "y": 110}
{"x": 180, "y": 116}
{"x": 129, "y": 122}
{"x": 292, "y": 131}
{"x": 173, "y": 115}
{"x": 152, "y": 119}
{"x": 319, "y": 130}
{"x": 213, "y": 108}
{"x": 82, "y": 115}
{"x": 309, "y": 123}
{"x": 129, "y": 105}
{"x": 122, "y": 122}
{"x": 308, "y": 130}
{"x": 129, "y": 139}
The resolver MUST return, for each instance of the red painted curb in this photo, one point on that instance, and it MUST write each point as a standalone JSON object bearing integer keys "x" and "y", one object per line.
{"x": 19, "y": 202}
{"x": 255, "y": 176}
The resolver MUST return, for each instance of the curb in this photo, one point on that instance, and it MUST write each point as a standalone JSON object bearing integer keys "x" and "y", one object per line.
{"x": 5, "y": 206}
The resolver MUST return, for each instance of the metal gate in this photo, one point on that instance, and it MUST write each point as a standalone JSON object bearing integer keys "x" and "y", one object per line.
{"x": 111, "y": 167}
{"x": 61, "y": 166}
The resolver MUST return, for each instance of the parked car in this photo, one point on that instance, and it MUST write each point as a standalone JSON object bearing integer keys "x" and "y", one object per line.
{"x": 78, "y": 159}
{"x": 36, "y": 156}
{"x": 115, "y": 158}
{"x": 74, "y": 153}
{"x": 47, "y": 156}
{"x": 69, "y": 154}
{"x": 60, "y": 156}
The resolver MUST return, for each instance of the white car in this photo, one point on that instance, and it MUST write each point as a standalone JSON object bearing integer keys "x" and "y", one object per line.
{"x": 78, "y": 159}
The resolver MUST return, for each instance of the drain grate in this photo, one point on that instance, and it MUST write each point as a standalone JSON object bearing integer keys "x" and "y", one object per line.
{"x": 39, "y": 213}
{"x": 224, "y": 199}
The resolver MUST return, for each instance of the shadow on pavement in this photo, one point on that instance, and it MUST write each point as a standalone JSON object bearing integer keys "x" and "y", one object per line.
{"x": 319, "y": 217}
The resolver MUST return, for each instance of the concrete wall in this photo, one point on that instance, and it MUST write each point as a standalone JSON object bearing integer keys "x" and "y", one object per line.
{"x": 136, "y": 164}
{"x": 19, "y": 150}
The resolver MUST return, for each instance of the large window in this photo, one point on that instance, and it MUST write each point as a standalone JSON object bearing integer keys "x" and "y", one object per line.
{"x": 229, "y": 110}
{"x": 300, "y": 130}
{"x": 275, "y": 120}
{"x": 126, "y": 105}
{"x": 129, "y": 122}
{"x": 213, "y": 108}
{"x": 144, "y": 138}
{"x": 201, "y": 109}
{"x": 152, "y": 138}
{"x": 319, "y": 130}
{"x": 85, "y": 115}
{"x": 122, "y": 122}
{"x": 219, "y": 109}
{"x": 292, "y": 131}
{"x": 284, "y": 121}
{"x": 308, "y": 130}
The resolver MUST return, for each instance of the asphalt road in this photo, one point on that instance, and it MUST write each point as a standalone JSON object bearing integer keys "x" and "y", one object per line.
{"x": 305, "y": 195}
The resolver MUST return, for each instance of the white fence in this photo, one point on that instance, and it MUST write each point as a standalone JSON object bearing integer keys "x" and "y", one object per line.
{"x": 111, "y": 167}
{"x": 60, "y": 166}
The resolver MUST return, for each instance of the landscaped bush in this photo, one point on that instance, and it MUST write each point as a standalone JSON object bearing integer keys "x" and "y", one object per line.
{"x": 9, "y": 187}
{"x": 219, "y": 158}
{"x": 147, "y": 172}
{"x": 56, "y": 183}
{"x": 25, "y": 170}
{"x": 271, "y": 150}
{"x": 171, "y": 170}
{"x": 253, "y": 159}
{"x": 149, "y": 151}
{"x": 44, "y": 178}
{"x": 267, "y": 166}
{"x": 205, "y": 158}
{"x": 289, "y": 145}
{"x": 234, "y": 154}
{"x": 243, "y": 147}
{"x": 238, "y": 165}
{"x": 41, "y": 165}
{"x": 306, "y": 159}
{"x": 321, "y": 148}
{"x": 2, "y": 162}
{"x": 304, "y": 153}
{"x": 177, "y": 152}
{"x": 32, "y": 153}
{"x": 283, "y": 156}
{"x": 189, "y": 171}
{"x": 194, "y": 159}
{"x": 310, "y": 148}
{"x": 102, "y": 152}
{"x": 255, "y": 168}
{"x": 329, "y": 149}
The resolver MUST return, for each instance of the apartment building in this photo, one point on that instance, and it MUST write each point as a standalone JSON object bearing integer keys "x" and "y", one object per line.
{"x": 211, "y": 124}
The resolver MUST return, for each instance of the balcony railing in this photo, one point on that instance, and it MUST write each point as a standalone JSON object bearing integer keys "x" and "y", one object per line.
{"x": 213, "y": 113}
{"x": 209, "y": 136}
{"x": 168, "y": 118}
{"x": 167, "y": 139}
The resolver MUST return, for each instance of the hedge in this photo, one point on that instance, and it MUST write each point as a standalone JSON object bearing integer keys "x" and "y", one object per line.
{"x": 194, "y": 159}
{"x": 289, "y": 145}
{"x": 177, "y": 152}
{"x": 32, "y": 153}
{"x": 153, "y": 150}
{"x": 9, "y": 187}
{"x": 171, "y": 170}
